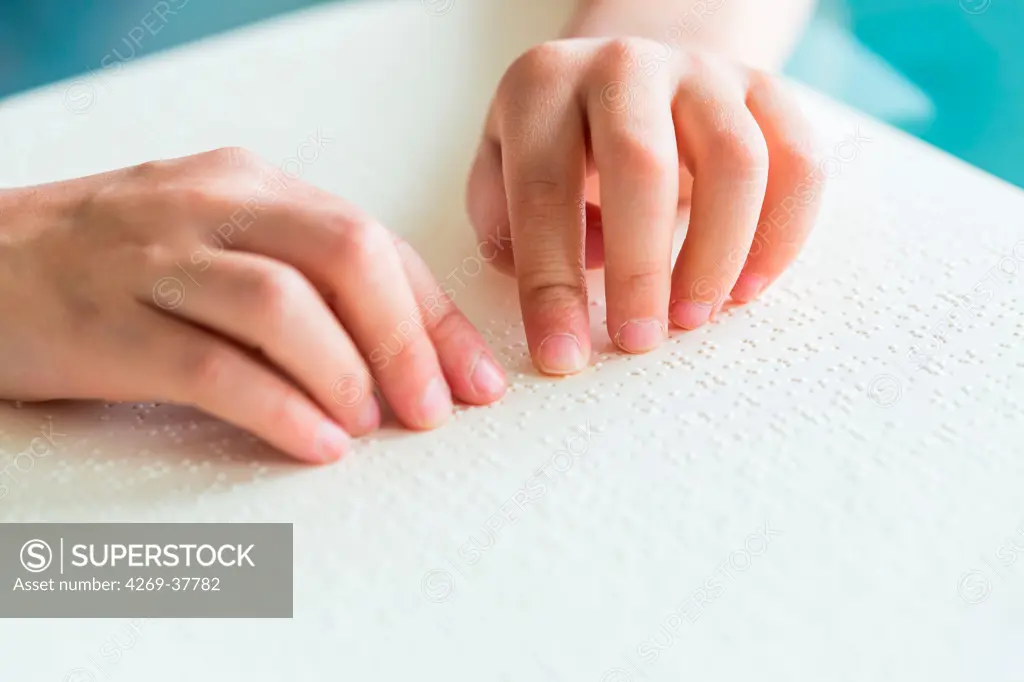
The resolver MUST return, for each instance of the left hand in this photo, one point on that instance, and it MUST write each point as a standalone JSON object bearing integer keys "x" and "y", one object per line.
{"x": 570, "y": 110}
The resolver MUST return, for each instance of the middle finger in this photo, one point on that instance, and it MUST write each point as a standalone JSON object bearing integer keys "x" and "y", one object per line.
{"x": 544, "y": 163}
{"x": 353, "y": 262}
{"x": 634, "y": 145}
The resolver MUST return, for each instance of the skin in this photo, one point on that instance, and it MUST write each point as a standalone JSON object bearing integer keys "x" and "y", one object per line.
{"x": 598, "y": 144}
{"x": 214, "y": 281}
{"x": 128, "y": 286}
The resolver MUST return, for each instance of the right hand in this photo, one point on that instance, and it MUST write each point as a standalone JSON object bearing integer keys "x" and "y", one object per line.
{"x": 648, "y": 138}
{"x": 216, "y": 281}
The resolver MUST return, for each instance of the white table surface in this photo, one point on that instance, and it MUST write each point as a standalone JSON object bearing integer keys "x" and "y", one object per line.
{"x": 895, "y": 491}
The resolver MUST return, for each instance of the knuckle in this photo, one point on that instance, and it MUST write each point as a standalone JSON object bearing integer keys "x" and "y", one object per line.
{"x": 105, "y": 204}
{"x": 282, "y": 406}
{"x": 148, "y": 170}
{"x": 206, "y": 370}
{"x": 540, "y": 199}
{"x": 191, "y": 195}
{"x": 362, "y": 241}
{"x": 235, "y": 157}
{"x": 740, "y": 151}
{"x": 643, "y": 158}
{"x": 702, "y": 66}
{"x": 801, "y": 161}
{"x": 448, "y": 326}
{"x": 154, "y": 256}
{"x": 404, "y": 350}
{"x": 545, "y": 293}
{"x": 273, "y": 292}
{"x": 620, "y": 56}
{"x": 540, "y": 64}
{"x": 190, "y": 206}
{"x": 542, "y": 189}
{"x": 640, "y": 279}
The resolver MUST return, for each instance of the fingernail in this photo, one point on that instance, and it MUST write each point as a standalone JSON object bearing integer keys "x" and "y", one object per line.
{"x": 369, "y": 417}
{"x": 560, "y": 354}
{"x": 640, "y": 336}
{"x": 486, "y": 377}
{"x": 331, "y": 442}
{"x": 436, "y": 405}
{"x": 747, "y": 287}
{"x": 689, "y": 314}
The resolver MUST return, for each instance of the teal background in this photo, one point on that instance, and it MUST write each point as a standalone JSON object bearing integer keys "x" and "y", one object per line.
{"x": 948, "y": 71}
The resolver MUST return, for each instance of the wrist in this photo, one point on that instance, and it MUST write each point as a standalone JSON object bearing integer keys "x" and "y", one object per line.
{"x": 620, "y": 18}
{"x": 751, "y": 32}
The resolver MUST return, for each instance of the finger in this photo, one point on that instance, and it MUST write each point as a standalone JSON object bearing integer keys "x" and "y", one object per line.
{"x": 352, "y": 260}
{"x": 265, "y": 304}
{"x": 727, "y": 153}
{"x": 793, "y": 196}
{"x": 472, "y": 372}
{"x": 487, "y": 206}
{"x": 543, "y": 158}
{"x": 634, "y": 145}
{"x": 197, "y": 368}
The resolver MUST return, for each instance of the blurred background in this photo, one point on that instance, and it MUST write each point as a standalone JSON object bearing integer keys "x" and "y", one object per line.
{"x": 949, "y": 71}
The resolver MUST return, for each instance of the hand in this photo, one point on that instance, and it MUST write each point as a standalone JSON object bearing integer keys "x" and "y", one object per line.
{"x": 220, "y": 282}
{"x": 624, "y": 111}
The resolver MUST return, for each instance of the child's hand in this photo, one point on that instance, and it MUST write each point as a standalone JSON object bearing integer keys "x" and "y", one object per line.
{"x": 218, "y": 281}
{"x": 636, "y": 112}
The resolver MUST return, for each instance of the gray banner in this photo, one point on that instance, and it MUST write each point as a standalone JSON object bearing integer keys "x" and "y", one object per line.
{"x": 154, "y": 570}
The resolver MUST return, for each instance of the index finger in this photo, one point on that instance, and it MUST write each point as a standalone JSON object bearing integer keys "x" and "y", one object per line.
{"x": 544, "y": 164}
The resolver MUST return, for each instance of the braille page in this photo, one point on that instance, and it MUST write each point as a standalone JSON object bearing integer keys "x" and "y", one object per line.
{"x": 825, "y": 484}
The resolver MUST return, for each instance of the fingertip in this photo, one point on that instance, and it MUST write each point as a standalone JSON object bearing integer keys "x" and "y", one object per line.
{"x": 560, "y": 355}
{"x": 354, "y": 405}
{"x": 487, "y": 380}
{"x": 640, "y": 336}
{"x": 689, "y": 315}
{"x": 331, "y": 444}
{"x": 748, "y": 287}
{"x": 367, "y": 419}
{"x": 434, "y": 406}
